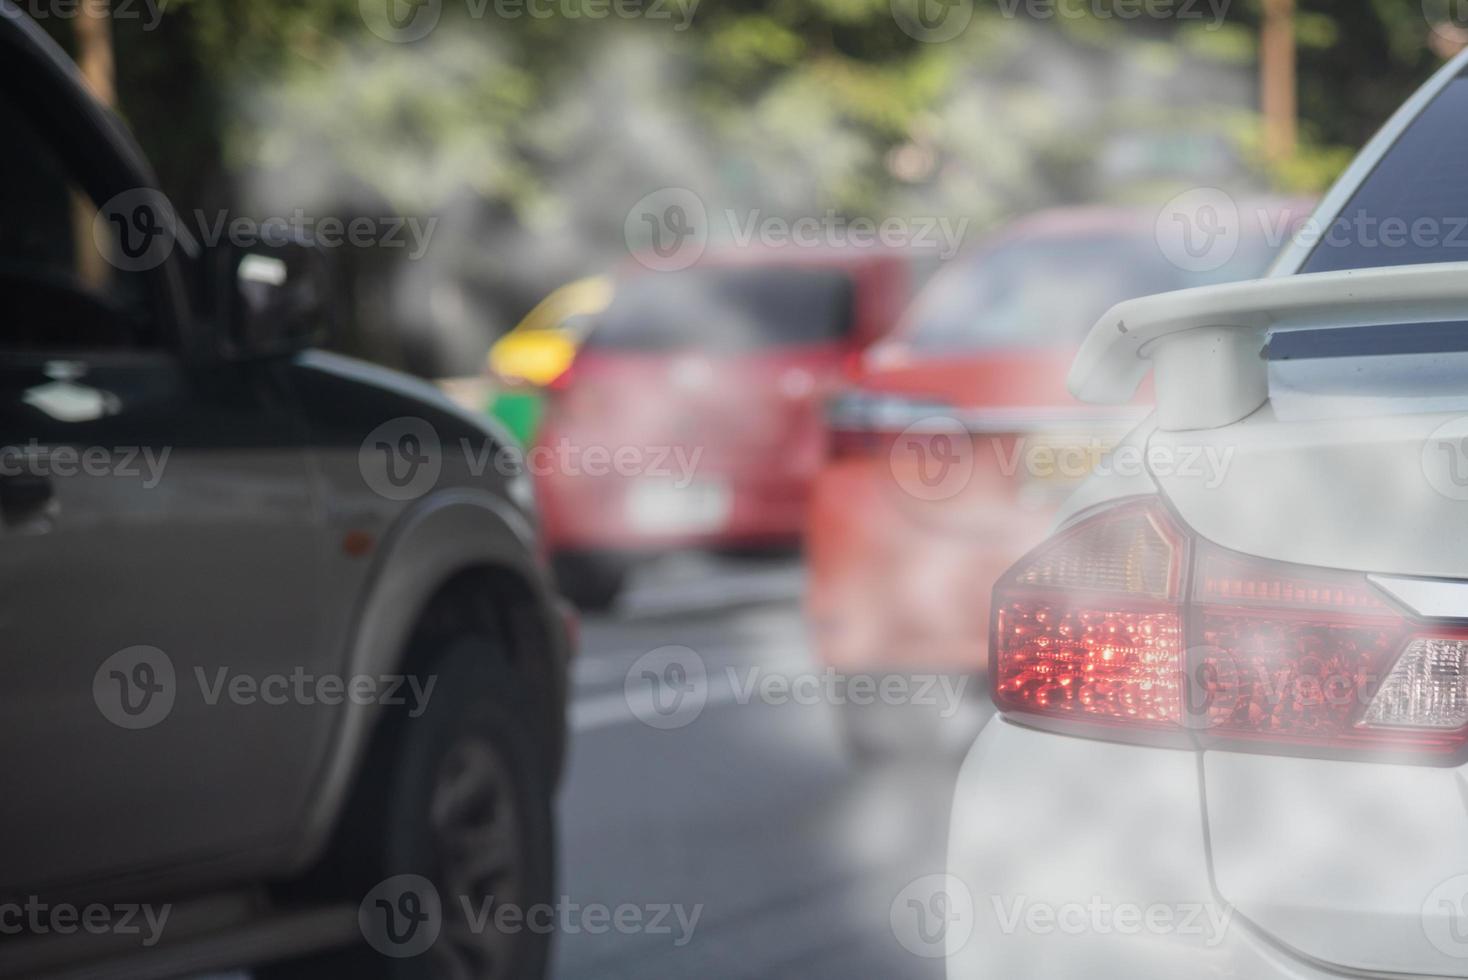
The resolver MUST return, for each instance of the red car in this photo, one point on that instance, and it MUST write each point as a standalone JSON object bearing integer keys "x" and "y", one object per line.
{"x": 959, "y": 440}
{"x": 692, "y": 415}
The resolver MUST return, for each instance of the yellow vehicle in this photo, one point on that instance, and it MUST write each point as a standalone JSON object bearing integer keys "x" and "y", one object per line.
{"x": 540, "y": 348}
{"x": 542, "y": 344}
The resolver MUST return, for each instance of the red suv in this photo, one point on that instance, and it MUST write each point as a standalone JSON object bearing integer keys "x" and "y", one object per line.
{"x": 692, "y": 416}
{"x": 952, "y": 450}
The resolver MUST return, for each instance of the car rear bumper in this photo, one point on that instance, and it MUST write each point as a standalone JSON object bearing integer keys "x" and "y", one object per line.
{"x": 1091, "y": 859}
{"x": 602, "y": 514}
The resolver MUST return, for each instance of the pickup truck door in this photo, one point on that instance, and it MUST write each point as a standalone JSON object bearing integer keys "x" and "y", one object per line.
{"x": 158, "y": 542}
{"x": 159, "y": 539}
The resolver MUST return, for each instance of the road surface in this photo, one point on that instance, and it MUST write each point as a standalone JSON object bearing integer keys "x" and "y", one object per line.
{"x": 746, "y": 808}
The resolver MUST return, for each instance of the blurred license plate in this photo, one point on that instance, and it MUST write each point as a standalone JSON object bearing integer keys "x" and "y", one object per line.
{"x": 660, "y": 506}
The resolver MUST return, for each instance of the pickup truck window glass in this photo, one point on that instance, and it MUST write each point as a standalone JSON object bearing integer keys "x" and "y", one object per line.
{"x": 58, "y": 287}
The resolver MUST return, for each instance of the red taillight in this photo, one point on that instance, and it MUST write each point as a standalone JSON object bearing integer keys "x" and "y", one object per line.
{"x": 1124, "y": 624}
{"x": 1089, "y": 627}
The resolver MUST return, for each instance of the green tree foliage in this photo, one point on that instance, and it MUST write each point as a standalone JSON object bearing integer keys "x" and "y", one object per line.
{"x": 556, "y": 124}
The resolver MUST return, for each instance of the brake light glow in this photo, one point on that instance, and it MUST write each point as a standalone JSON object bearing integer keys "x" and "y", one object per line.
{"x": 1123, "y": 623}
{"x": 1112, "y": 664}
{"x": 1113, "y": 657}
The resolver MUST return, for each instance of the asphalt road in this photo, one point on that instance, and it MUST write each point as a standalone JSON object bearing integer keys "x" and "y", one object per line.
{"x": 746, "y": 809}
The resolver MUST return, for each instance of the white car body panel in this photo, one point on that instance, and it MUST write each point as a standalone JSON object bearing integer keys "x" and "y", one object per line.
{"x": 1354, "y": 496}
{"x": 1043, "y": 823}
{"x": 1325, "y": 868}
{"x": 1339, "y": 859}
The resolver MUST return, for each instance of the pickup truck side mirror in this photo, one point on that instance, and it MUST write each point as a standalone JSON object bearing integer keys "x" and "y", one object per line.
{"x": 269, "y": 297}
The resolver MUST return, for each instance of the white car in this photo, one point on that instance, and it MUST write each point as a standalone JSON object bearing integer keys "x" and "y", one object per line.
{"x": 1232, "y": 728}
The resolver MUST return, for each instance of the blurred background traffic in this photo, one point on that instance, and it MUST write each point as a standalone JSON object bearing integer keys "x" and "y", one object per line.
{"x": 778, "y": 298}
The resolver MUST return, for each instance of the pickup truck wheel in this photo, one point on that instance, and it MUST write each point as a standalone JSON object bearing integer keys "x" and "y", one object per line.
{"x": 591, "y": 581}
{"x": 466, "y": 826}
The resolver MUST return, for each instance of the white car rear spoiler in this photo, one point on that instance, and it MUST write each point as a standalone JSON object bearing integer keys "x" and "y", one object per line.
{"x": 1204, "y": 344}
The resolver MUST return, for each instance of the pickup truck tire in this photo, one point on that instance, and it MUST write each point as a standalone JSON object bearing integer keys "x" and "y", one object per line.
{"x": 463, "y": 820}
{"x": 592, "y": 581}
